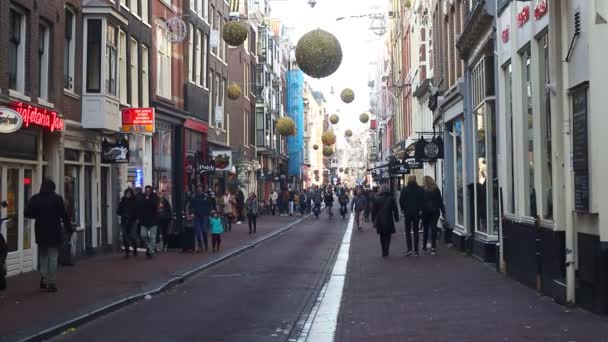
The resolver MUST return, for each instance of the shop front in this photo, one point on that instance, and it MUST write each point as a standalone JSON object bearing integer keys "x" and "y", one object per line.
{"x": 29, "y": 139}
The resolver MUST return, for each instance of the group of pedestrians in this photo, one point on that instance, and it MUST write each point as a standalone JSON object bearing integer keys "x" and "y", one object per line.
{"x": 291, "y": 202}
{"x": 419, "y": 204}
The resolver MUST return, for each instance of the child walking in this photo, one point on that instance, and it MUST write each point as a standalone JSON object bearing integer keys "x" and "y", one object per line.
{"x": 217, "y": 228}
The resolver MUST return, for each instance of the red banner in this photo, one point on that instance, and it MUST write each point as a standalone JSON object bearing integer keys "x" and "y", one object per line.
{"x": 138, "y": 120}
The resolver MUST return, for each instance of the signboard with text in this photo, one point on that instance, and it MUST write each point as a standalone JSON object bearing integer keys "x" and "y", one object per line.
{"x": 38, "y": 116}
{"x": 138, "y": 120}
{"x": 10, "y": 120}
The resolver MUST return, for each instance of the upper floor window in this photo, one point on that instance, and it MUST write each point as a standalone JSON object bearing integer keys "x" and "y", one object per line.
{"x": 69, "y": 52}
{"x": 145, "y": 77}
{"x": 200, "y": 7}
{"x": 44, "y": 60}
{"x": 133, "y": 66}
{"x": 93, "y": 56}
{"x": 163, "y": 62}
{"x": 16, "y": 55}
{"x": 111, "y": 59}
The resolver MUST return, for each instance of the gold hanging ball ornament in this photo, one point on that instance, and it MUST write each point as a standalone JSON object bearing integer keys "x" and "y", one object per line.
{"x": 315, "y": 147}
{"x": 286, "y": 126}
{"x": 348, "y": 133}
{"x": 334, "y": 119}
{"x": 318, "y": 53}
{"x": 364, "y": 118}
{"x": 234, "y": 91}
{"x": 328, "y": 151}
{"x": 347, "y": 95}
{"x": 328, "y": 138}
{"x": 234, "y": 33}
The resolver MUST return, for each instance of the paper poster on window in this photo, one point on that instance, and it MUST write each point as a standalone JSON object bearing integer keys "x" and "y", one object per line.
{"x": 214, "y": 39}
{"x": 219, "y": 116}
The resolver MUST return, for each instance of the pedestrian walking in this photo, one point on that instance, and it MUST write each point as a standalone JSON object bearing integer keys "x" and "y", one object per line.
{"x": 52, "y": 226}
{"x": 292, "y": 197}
{"x": 411, "y": 201}
{"x": 165, "y": 216}
{"x": 240, "y": 206}
{"x": 252, "y": 207}
{"x": 384, "y": 215}
{"x": 217, "y": 229}
{"x": 329, "y": 201}
{"x": 228, "y": 203}
{"x": 368, "y": 206}
{"x": 285, "y": 202}
{"x": 433, "y": 207}
{"x": 343, "y": 201}
{"x": 201, "y": 206}
{"x": 358, "y": 206}
{"x": 273, "y": 201}
{"x": 147, "y": 213}
{"x": 302, "y": 201}
{"x": 128, "y": 222}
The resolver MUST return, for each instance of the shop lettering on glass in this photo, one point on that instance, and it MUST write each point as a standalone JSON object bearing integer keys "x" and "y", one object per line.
{"x": 10, "y": 120}
{"x": 138, "y": 120}
{"x": 36, "y": 116}
{"x": 541, "y": 9}
{"x": 523, "y": 17}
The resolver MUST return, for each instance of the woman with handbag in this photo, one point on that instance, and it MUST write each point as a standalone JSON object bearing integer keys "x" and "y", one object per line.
{"x": 165, "y": 216}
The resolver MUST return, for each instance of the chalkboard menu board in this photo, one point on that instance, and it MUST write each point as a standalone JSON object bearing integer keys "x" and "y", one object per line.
{"x": 580, "y": 149}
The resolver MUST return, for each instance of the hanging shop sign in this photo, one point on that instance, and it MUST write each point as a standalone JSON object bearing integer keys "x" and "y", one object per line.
{"x": 400, "y": 169}
{"x": 222, "y": 160}
{"x": 429, "y": 151}
{"x": 116, "y": 152}
{"x": 505, "y": 35}
{"x": 205, "y": 168}
{"x": 523, "y": 16}
{"x": 138, "y": 120}
{"x": 541, "y": 9}
{"x": 10, "y": 120}
{"x": 37, "y": 116}
{"x": 413, "y": 164}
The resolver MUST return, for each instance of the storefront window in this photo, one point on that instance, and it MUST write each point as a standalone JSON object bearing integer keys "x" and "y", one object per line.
{"x": 12, "y": 211}
{"x": 194, "y": 156}
{"x": 459, "y": 172}
{"x": 162, "y": 159}
{"x": 481, "y": 166}
{"x": 27, "y": 194}
{"x": 135, "y": 175}
{"x": 72, "y": 192}
{"x": 508, "y": 73}
{"x": 529, "y": 118}
{"x": 545, "y": 104}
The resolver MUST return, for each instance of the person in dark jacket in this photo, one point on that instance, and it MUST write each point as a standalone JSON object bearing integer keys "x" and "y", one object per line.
{"x": 52, "y": 222}
{"x": 201, "y": 206}
{"x": 358, "y": 205}
{"x": 329, "y": 201}
{"x": 433, "y": 206}
{"x": 252, "y": 207}
{"x": 147, "y": 214}
{"x": 165, "y": 216}
{"x": 240, "y": 206}
{"x": 367, "y": 209}
{"x": 411, "y": 201}
{"x": 384, "y": 215}
{"x": 128, "y": 221}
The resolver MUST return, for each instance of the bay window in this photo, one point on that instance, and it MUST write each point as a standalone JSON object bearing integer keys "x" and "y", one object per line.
{"x": 93, "y": 52}
{"x": 111, "y": 59}
{"x": 122, "y": 68}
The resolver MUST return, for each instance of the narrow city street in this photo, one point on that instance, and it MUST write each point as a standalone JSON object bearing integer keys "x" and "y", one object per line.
{"x": 259, "y": 295}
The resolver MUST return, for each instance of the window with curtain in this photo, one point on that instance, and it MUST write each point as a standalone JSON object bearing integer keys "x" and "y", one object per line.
{"x": 111, "y": 59}
{"x": 133, "y": 66}
{"x": 163, "y": 62}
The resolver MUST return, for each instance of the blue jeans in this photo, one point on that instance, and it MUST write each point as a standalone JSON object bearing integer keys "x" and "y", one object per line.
{"x": 201, "y": 228}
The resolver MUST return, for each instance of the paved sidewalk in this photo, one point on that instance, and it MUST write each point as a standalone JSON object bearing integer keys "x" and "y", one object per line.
{"x": 448, "y": 297}
{"x": 102, "y": 280}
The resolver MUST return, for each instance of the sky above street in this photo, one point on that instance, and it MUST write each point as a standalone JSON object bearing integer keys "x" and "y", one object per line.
{"x": 360, "y": 47}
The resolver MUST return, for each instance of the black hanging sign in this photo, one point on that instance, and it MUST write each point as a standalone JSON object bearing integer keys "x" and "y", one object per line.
{"x": 115, "y": 153}
{"x": 400, "y": 170}
{"x": 206, "y": 168}
{"x": 429, "y": 151}
{"x": 413, "y": 164}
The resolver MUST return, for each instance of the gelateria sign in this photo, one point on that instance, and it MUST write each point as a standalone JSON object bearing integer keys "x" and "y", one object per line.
{"x": 25, "y": 115}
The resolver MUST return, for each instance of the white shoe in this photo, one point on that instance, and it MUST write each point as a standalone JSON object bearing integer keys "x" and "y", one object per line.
{"x": 239, "y": 222}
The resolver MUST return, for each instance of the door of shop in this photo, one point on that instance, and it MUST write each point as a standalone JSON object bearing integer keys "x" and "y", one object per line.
{"x": 16, "y": 189}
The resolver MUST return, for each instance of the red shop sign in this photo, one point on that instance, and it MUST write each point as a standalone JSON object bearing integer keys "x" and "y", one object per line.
{"x": 38, "y": 116}
{"x": 505, "y": 35}
{"x": 523, "y": 16}
{"x": 541, "y": 9}
{"x": 138, "y": 120}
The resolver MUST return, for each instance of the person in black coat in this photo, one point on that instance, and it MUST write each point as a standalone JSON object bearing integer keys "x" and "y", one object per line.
{"x": 165, "y": 216}
{"x": 52, "y": 223}
{"x": 201, "y": 207}
{"x": 147, "y": 214}
{"x": 128, "y": 221}
{"x": 384, "y": 215}
{"x": 411, "y": 201}
{"x": 433, "y": 206}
